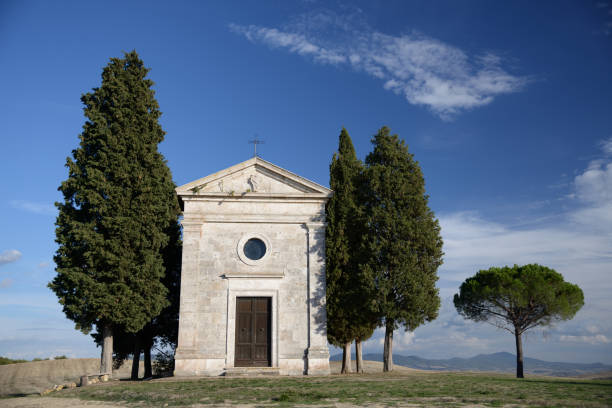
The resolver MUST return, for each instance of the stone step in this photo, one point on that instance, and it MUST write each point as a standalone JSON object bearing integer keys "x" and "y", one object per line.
{"x": 250, "y": 371}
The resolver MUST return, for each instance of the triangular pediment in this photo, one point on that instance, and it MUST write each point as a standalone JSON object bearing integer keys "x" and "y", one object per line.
{"x": 254, "y": 177}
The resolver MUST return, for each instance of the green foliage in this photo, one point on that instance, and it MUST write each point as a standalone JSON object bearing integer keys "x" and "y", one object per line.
{"x": 164, "y": 327}
{"x": 163, "y": 366}
{"x": 119, "y": 201}
{"x": 518, "y": 298}
{"x": 6, "y": 360}
{"x": 162, "y": 331}
{"x": 402, "y": 238}
{"x": 62, "y": 357}
{"x": 346, "y": 290}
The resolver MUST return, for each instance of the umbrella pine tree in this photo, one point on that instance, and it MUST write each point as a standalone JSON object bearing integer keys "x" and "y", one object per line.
{"x": 518, "y": 299}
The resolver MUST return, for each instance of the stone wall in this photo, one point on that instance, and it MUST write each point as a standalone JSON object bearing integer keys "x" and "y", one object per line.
{"x": 215, "y": 272}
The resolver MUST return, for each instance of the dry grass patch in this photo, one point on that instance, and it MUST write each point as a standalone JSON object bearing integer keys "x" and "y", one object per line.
{"x": 372, "y": 389}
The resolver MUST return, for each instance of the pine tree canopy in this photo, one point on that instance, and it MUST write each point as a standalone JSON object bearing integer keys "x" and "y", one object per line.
{"x": 119, "y": 202}
{"x": 518, "y": 298}
{"x": 403, "y": 237}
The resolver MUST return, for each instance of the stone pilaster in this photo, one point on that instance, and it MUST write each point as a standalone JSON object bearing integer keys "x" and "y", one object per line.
{"x": 318, "y": 352}
{"x": 188, "y": 315}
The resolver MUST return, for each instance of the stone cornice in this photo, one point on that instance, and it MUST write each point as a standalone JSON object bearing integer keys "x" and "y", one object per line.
{"x": 255, "y": 197}
{"x": 193, "y": 219}
{"x": 253, "y": 275}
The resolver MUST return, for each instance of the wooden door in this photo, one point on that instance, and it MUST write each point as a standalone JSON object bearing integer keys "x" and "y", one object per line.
{"x": 253, "y": 332}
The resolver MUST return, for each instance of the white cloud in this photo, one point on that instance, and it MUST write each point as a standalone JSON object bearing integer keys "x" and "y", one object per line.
{"x": 606, "y": 146}
{"x": 404, "y": 339}
{"x": 595, "y": 184}
{"x": 593, "y": 329}
{"x": 431, "y": 73}
{"x": 426, "y": 71}
{"x": 594, "y": 340}
{"x": 8, "y": 256}
{"x": 593, "y": 188}
{"x": 36, "y": 208}
{"x": 472, "y": 243}
{"x": 43, "y": 264}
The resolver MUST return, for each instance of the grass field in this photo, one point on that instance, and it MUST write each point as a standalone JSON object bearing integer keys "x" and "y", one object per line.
{"x": 396, "y": 389}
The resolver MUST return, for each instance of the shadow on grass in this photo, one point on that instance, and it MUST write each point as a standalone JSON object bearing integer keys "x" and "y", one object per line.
{"x": 591, "y": 383}
{"x": 16, "y": 395}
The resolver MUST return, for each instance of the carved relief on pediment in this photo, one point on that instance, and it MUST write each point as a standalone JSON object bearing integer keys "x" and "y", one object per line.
{"x": 249, "y": 181}
{"x": 253, "y": 176}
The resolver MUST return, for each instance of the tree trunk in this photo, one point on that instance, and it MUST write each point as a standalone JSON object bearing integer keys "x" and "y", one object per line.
{"x": 136, "y": 358}
{"x": 358, "y": 356}
{"x": 519, "y": 354}
{"x": 106, "y": 360}
{"x": 388, "y": 350}
{"x": 148, "y": 372}
{"x": 346, "y": 359}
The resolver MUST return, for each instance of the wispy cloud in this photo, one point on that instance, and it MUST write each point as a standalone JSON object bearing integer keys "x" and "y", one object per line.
{"x": 296, "y": 43}
{"x": 596, "y": 339}
{"x": 33, "y": 207}
{"x": 606, "y": 9}
{"x": 6, "y": 283}
{"x": 606, "y": 146}
{"x": 8, "y": 256}
{"x": 426, "y": 71}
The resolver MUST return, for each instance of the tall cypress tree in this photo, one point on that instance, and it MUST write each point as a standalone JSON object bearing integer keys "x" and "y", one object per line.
{"x": 403, "y": 241}
{"x": 163, "y": 329}
{"x": 345, "y": 299}
{"x": 119, "y": 201}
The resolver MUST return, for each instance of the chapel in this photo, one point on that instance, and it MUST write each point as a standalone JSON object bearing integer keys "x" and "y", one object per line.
{"x": 253, "y": 273}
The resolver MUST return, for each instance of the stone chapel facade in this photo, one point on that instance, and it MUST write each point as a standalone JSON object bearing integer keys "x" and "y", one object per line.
{"x": 253, "y": 273}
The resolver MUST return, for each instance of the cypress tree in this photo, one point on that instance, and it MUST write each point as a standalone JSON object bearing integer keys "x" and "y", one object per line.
{"x": 403, "y": 240}
{"x": 163, "y": 329}
{"x": 343, "y": 235}
{"x": 119, "y": 201}
{"x": 364, "y": 331}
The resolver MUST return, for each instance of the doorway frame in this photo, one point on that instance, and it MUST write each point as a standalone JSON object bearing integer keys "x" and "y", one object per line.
{"x": 230, "y": 347}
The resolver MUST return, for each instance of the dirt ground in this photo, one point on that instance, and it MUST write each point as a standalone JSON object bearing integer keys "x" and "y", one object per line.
{"x": 34, "y": 377}
{"x": 49, "y": 402}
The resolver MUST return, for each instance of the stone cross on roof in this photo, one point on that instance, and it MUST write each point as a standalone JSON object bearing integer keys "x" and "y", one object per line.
{"x": 255, "y": 142}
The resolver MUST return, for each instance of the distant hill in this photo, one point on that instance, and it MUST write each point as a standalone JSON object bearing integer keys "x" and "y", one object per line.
{"x": 499, "y": 362}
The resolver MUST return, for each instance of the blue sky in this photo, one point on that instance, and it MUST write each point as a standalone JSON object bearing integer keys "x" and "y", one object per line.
{"x": 505, "y": 105}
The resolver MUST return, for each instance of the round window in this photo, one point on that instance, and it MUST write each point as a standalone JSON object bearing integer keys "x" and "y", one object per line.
{"x": 254, "y": 249}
